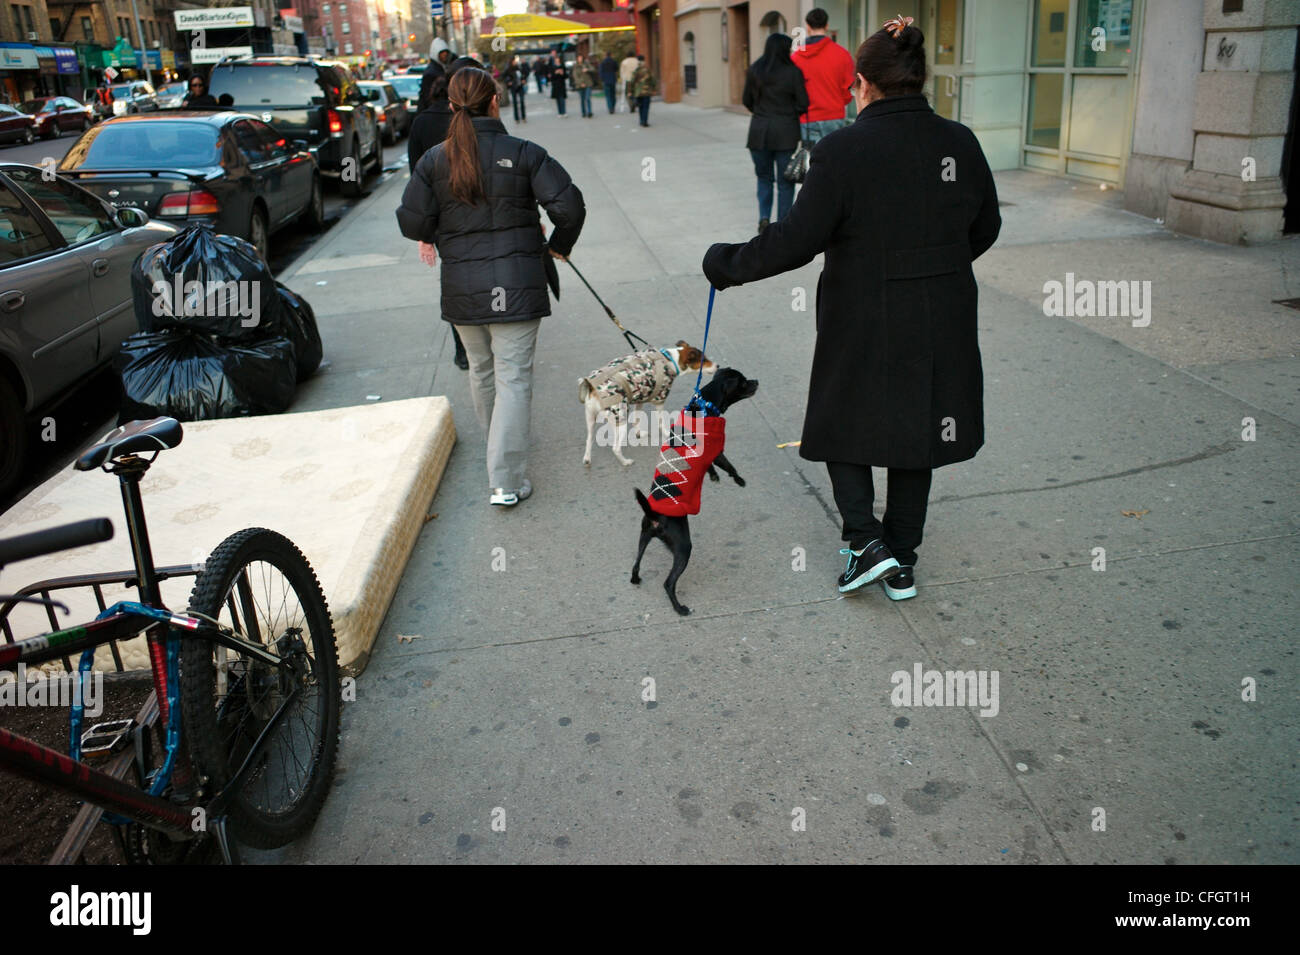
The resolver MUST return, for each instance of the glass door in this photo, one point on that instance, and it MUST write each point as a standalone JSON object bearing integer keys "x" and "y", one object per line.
{"x": 941, "y": 23}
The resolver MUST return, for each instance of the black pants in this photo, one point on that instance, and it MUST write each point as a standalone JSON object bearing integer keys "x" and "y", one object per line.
{"x": 908, "y": 495}
{"x": 517, "y": 101}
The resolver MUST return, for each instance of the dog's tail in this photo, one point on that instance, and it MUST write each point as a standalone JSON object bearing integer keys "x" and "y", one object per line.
{"x": 645, "y": 504}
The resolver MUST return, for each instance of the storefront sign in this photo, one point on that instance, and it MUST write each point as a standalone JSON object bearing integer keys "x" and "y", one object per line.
{"x": 213, "y": 54}
{"x": 17, "y": 56}
{"x": 292, "y": 23}
{"x": 214, "y": 18}
{"x": 66, "y": 60}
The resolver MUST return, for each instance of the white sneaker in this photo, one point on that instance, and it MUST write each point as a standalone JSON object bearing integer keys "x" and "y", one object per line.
{"x": 506, "y": 498}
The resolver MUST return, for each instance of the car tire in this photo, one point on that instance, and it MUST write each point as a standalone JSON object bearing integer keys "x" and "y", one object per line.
{"x": 353, "y": 189}
{"x": 390, "y": 135}
{"x": 258, "y": 233}
{"x": 314, "y": 215}
{"x": 13, "y": 438}
{"x": 28, "y": 136}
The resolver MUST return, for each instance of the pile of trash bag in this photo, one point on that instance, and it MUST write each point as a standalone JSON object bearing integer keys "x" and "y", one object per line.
{"x": 219, "y": 337}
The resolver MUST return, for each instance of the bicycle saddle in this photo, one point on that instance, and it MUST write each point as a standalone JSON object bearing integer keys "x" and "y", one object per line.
{"x": 156, "y": 434}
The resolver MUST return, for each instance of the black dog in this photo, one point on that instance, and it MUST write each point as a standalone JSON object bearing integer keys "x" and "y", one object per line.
{"x": 666, "y": 518}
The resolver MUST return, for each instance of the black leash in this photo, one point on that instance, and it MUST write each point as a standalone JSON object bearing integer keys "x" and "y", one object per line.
{"x": 627, "y": 333}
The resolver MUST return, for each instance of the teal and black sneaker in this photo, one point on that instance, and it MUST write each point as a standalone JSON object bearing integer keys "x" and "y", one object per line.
{"x": 902, "y": 586}
{"x": 871, "y": 563}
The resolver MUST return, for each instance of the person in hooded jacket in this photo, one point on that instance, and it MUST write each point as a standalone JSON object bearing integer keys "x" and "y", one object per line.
{"x": 827, "y": 70}
{"x": 896, "y": 378}
{"x": 775, "y": 94}
{"x": 473, "y": 199}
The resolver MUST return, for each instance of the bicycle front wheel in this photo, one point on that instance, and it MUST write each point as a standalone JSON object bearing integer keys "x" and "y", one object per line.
{"x": 261, "y": 586}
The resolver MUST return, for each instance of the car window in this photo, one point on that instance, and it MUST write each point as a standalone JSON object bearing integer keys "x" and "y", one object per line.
{"x": 21, "y": 235}
{"x": 408, "y": 86}
{"x": 271, "y": 85}
{"x": 77, "y": 215}
{"x": 251, "y": 144}
{"x": 145, "y": 145}
{"x": 276, "y": 144}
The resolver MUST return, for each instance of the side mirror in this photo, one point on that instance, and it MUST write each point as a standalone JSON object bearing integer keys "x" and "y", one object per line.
{"x": 130, "y": 217}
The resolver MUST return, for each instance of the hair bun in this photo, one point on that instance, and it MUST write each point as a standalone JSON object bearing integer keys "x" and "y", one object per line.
{"x": 911, "y": 38}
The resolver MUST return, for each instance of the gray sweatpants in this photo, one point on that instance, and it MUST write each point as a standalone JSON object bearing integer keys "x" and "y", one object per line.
{"x": 501, "y": 386}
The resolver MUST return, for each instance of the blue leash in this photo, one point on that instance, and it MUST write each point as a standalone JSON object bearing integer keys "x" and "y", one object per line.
{"x": 698, "y": 398}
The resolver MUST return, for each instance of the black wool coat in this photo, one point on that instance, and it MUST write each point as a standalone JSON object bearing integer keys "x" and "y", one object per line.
{"x": 901, "y": 203}
{"x": 559, "y": 77}
{"x": 777, "y": 100}
{"x": 494, "y": 258}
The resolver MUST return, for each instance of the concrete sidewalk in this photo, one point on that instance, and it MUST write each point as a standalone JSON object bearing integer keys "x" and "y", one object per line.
{"x": 522, "y": 698}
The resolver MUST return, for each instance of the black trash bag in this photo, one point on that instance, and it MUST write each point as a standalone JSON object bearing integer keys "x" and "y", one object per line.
{"x": 201, "y": 281}
{"x": 191, "y": 377}
{"x": 300, "y": 327}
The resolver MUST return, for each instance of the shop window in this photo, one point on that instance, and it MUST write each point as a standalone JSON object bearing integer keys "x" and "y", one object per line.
{"x": 1103, "y": 33}
{"x": 1049, "y": 32}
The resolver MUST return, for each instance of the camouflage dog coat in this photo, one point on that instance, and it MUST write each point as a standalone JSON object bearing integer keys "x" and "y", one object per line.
{"x": 642, "y": 377}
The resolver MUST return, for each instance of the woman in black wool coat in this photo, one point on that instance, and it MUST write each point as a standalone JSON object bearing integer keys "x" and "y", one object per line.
{"x": 775, "y": 94}
{"x": 558, "y": 75}
{"x": 901, "y": 202}
{"x": 428, "y": 129}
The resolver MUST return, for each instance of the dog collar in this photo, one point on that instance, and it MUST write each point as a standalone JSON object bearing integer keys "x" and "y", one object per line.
{"x": 676, "y": 367}
{"x": 705, "y": 405}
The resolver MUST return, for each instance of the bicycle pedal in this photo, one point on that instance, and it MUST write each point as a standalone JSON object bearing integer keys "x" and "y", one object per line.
{"x": 104, "y": 738}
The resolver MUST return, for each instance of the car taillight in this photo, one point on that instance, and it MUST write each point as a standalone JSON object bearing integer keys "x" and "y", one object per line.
{"x": 336, "y": 124}
{"x": 197, "y": 202}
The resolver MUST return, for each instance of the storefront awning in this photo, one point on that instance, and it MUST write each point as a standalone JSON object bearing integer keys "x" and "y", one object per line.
{"x": 557, "y": 24}
{"x": 18, "y": 56}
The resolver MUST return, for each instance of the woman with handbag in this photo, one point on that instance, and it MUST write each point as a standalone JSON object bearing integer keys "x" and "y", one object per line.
{"x": 775, "y": 94}
{"x": 494, "y": 260}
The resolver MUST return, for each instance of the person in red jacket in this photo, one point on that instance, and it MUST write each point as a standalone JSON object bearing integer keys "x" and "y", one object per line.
{"x": 827, "y": 74}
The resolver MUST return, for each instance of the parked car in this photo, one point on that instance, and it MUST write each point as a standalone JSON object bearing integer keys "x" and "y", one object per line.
{"x": 172, "y": 96}
{"x": 55, "y": 115}
{"x": 314, "y": 100}
{"x": 16, "y": 126}
{"x": 394, "y": 119}
{"x": 134, "y": 97}
{"x": 66, "y": 302}
{"x": 228, "y": 169}
{"x": 408, "y": 87}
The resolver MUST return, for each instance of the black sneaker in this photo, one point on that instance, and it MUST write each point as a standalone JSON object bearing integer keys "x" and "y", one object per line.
{"x": 875, "y": 562}
{"x": 763, "y": 224}
{"x": 902, "y": 586}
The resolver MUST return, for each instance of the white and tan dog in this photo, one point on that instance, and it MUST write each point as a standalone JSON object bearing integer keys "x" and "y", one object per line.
{"x": 642, "y": 378}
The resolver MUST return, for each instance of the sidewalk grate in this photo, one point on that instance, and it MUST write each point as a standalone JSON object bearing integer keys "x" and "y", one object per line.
{"x": 1288, "y": 302}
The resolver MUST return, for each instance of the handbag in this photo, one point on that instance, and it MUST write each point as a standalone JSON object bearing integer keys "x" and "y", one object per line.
{"x": 797, "y": 167}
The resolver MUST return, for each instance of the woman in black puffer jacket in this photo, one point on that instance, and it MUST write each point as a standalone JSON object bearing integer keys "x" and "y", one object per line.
{"x": 474, "y": 198}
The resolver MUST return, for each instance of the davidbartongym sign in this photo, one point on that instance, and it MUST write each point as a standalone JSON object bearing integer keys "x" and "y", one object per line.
{"x": 214, "y": 18}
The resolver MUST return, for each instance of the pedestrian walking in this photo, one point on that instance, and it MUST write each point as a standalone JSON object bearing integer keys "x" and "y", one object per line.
{"x": 558, "y": 78}
{"x": 541, "y": 70}
{"x": 585, "y": 76}
{"x": 827, "y": 70}
{"x": 517, "y": 83}
{"x": 775, "y": 94}
{"x": 428, "y": 129}
{"x": 609, "y": 80}
{"x": 641, "y": 87}
{"x": 896, "y": 376}
{"x": 625, "y": 71}
{"x": 494, "y": 260}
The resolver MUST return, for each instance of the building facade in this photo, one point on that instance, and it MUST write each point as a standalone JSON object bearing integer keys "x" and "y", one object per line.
{"x": 1187, "y": 105}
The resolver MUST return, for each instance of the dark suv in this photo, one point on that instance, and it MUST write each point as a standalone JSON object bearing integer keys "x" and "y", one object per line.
{"x": 314, "y": 100}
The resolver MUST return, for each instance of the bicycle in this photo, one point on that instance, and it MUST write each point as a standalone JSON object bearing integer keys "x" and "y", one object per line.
{"x": 237, "y": 682}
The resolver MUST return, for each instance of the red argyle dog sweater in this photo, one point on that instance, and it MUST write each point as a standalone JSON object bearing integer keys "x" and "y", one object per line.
{"x": 693, "y": 444}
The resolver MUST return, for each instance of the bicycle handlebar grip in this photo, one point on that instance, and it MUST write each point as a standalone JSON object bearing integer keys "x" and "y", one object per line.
{"x": 54, "y": 539}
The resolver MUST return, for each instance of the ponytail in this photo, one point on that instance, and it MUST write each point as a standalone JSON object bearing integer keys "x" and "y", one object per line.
{"x": 470, "y": 92}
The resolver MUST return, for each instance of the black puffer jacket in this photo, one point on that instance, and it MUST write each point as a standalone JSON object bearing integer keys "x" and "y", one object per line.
{"x": 492, "y": 253}
{"x": 427, "y": 130}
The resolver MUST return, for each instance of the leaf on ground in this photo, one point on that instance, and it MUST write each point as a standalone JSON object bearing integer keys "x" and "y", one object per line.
{"x": 1137, "y": 514}
{"x": 407, "y": 638}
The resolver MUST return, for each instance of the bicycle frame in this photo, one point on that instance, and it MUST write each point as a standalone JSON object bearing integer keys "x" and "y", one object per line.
{"x": 52, "y": 768}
